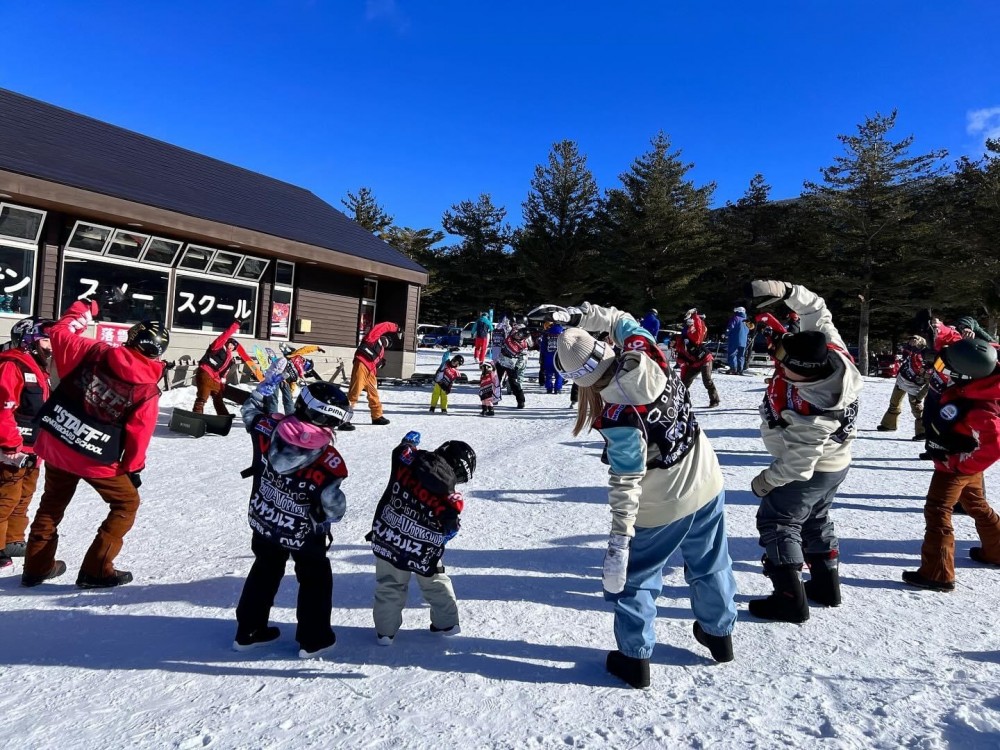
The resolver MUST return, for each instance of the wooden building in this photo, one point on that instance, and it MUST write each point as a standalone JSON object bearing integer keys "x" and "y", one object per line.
{"x": 86, "y": 206}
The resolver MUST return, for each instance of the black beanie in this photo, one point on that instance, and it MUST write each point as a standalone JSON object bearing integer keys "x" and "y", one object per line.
{"x": 805, "y": 353}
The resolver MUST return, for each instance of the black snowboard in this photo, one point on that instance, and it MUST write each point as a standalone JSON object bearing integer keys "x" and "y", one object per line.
{"x": 196, "y": 425}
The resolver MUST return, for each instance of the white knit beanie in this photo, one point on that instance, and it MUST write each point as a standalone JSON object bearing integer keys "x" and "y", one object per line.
{"x": 578, "y": 350}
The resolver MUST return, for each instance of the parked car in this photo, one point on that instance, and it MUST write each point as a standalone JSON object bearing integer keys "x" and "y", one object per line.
{"x": 442, "y": 336}
{"x": 424, "y": 328}
{"x": 468, "y": 334}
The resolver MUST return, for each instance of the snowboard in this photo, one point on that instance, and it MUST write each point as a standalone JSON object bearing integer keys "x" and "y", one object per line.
{"x": 196, "y": 425}
{"x": 235, "y": 394}
{"x": 263, "y": 361}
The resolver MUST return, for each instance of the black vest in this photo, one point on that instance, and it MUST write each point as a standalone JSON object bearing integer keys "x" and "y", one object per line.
{"x": 406, "y": 532}
{"x": 90, "y": 406}
{"x": 287, "y": 508}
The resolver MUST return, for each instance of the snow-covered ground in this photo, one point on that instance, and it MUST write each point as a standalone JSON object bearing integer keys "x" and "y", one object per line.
{"x": 150, "y": 666}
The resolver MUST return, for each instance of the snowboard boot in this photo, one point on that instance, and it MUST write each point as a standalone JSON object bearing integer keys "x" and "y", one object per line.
{"x": 246, "y": 640}
{"x": 914, "y": 578}
{"x": 976, "y": 554}
{"x": 633, "y": 671}
{"x": 444, "y": 411}
{"x": 118, "y": 578}
{"x": 721, "y": 646}
{"x": 788, "y": 602}
{"x": 890, "y": 422}
{"x": 58, "y": 568}
{"x": 346, "y": 427}
{"x": 823, "y": 586}
{"x": 449, "y": 631}
{"x": 490, "y": 412}
{"x": 484, "y": 412}
{"x": 15, "y": 549}
{"x": 380, "y": 420}
{"x": 5, "y": 561}
{"x": 431, "y": 410}
{"x": 318, "y": 650}
{"x": 383, "y": 640}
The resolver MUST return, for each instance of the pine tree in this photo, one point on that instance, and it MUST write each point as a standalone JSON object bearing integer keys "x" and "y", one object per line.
{"x": 555, "y": 248}
{"x": 366, "y": 211}
{"x": 656, "y": 230}
{"x": 867, "y": 195}
{"x": 474, "y": 272}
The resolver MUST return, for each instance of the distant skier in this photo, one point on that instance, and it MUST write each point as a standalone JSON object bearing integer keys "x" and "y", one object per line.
{"x": 444, "y": 379}
{"x": 651, "y": 322}
{"x": 510, "y": 363}
{"x": 417, "y": 515}
{"x": 484, "y": 330}
{"x": 693, "y": 357}
{"x": 550, "y": 342}
{"x": 489, "y": 389}
{"x": 736, "y": 341}
{"x": 911, "y": 384}
{"x": 369, "y": 358}
{"x": 295, "y": 497}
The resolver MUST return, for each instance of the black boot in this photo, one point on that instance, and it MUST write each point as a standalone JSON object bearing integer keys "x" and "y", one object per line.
{"x": 633, "y": 671}
{"x": 788, "y": 602}
{"x": 823, "y": 586}
{"x": 721, "y": 646}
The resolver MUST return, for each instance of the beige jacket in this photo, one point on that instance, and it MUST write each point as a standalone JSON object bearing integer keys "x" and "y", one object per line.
{"x": 639, "y": 497}
{"x": 807, "y": 444}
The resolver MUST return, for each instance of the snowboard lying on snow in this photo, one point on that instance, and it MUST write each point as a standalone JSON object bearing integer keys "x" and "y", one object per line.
{"x": 196, "y": 425}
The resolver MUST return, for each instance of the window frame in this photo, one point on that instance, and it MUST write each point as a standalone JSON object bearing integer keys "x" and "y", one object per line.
{"x": 24, "y": 247}
{"x": 76, "y": 227}
{"x": 184, "y": 272}
{"x": 159, "y": 264}
{"x": 9, "y": 238}
{"x": 266, "y": 262}
{"x": 188, "y": 248}
{"x": 111, "y": 241}
{"x": 113, "y": 260}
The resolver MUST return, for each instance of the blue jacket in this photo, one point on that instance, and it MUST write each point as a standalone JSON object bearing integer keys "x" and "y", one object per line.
{"x": 652, "y": 324}
{"x": 548, "y": 341}
{"x": 484, "y": 325}
{"x": 737, "y": 331}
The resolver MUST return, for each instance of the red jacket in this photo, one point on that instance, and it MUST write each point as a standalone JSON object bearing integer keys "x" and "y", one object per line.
{"x": 70, "y": 349}
{"x": 370, "y": 351}
{"x": 688, "y": 345}
{"x": 18, "y": 401}
{"x": 218, "y": 359}
{"x": 967, "y": 412}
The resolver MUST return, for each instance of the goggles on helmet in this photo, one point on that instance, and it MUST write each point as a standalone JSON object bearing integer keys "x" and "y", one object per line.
{"x": 590, "y": 364}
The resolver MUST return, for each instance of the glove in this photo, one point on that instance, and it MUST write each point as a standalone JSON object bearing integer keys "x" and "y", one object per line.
{"x": 135, "y": 479}
{"x": 112, "y": 296}
{"x": 17, "y": 459}
{"x": 450, "y": 529}
{"x": 760, "y": 486}
{"x": 80, "y": 322}
{"x": 412, "y": 437}
{"x": 380, "y": 364}
{"x": 555, "y": 314}
{"x": 273, "y": 377}
{"x": 615, "y": 563}
{"x": 766, "y": 293}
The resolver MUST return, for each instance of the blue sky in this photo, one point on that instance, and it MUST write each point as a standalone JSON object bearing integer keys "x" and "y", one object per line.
{"x": 432, "y": 102}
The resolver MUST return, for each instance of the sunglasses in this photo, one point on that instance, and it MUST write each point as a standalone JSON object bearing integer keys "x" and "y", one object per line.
{"x": 590, "y": 364}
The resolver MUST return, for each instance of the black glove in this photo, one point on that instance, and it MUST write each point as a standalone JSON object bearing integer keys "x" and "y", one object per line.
{"x": 112, "y": 296}
{"x": 380, "y": 365}
{"x": 135, "y": 479}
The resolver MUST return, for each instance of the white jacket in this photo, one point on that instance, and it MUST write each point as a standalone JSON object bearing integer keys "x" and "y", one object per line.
{"x": 808, "y": 443}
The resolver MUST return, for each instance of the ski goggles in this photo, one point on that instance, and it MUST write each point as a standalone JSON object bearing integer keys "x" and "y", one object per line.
{"x": 941, "y": 367}
{"x": 590, "y": 364}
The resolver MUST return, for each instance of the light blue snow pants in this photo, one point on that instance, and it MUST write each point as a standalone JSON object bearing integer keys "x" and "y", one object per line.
{"x": 708, "y": 570}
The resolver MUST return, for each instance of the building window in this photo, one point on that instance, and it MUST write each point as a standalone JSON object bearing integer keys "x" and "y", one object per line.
{"x": 17, "y": 285}
{"x": 284, "y": 273}
{"x": 143, "y": 291}
{"x": 251, "y": 269}
{"x": 202, "y": 304}
{"x": 196, "y": 258}
{"x": 281, "y": 312}
{"x": 161, "y": 252}
{"x": 224, "y": 263}
{"x": 90, "y": 238}
{"x": 20, "y": 223}
{"x": 366, "y": 317}
{"x": 126, "y": 245}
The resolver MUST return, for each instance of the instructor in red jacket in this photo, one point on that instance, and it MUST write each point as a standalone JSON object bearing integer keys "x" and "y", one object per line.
{"x": 96, "y": 427}
{"x": 368, "y": 358}
{"x": 212, "y": 370}
{"x": 24, "y": 387}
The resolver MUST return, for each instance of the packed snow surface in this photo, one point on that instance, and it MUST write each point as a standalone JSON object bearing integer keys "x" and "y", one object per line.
{"x": 149, "y": 665}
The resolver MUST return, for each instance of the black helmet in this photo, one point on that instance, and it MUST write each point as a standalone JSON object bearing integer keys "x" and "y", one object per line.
{"x": 520, "y": 332}
{"x": 458, "y": 360}
{"x": 149, "y": 337}
{"x": 460, "y": 457}
{"x": 323, "y": 404}
{"x": 25, "y": 332}
{"x": 232, "y": 343}
{"x": 970, "y": 358}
